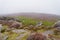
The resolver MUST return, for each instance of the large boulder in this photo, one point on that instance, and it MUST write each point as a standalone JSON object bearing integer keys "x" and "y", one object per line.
{"x": 57, "y": 28}
{"x": 57, "y": 24}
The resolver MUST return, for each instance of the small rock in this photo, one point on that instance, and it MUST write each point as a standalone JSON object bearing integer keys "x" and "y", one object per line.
{"x": 5, "y": 37}
{"x": 39, "y": 24}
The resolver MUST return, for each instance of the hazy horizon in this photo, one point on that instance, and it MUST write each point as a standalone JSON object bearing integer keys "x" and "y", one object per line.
{"x": 38, "y": 6}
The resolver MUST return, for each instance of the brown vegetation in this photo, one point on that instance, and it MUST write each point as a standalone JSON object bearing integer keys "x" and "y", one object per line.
{"x": 37, "y": 36}
{"x": 16, "y": 25}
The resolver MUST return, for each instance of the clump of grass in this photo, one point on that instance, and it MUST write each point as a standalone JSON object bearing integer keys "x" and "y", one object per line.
{"x": 25, "y": 37}
{"x": 48, "y": 23}
{"x": 4, "y": 29}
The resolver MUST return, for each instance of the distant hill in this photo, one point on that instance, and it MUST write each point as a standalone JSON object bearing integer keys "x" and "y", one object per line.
{"x": 41, "y": 16}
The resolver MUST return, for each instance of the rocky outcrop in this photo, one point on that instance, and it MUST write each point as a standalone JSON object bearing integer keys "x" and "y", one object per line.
{"x": 8, "y": 20}
{"x": 57, "y": 25}
{"x": 57, "y": 28}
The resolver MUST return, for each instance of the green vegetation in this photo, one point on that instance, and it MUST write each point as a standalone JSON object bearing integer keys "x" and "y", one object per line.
{"x": 26, "y": 23}
{"x": 12, "y": 36}
{"x": 47, "y": 23}
{"x": 25, "y": 37}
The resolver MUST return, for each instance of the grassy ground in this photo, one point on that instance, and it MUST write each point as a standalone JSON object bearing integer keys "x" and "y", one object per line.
{"x": 27, "y": 21}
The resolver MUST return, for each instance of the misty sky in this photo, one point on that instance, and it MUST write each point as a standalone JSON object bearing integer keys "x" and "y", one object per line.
{"x": 39, "y": 6}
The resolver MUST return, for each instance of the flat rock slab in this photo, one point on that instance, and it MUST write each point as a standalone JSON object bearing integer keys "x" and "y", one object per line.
{"x": 19, "y": 30}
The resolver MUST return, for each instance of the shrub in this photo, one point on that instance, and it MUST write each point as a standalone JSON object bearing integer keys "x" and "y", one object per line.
{"x": 37, "y": 36}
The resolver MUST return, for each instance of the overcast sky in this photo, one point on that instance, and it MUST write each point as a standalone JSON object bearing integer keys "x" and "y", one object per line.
{"x": 40, "y": 6}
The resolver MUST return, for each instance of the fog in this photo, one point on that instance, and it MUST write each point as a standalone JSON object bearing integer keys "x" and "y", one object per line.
{"x": 39, "y": 6}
